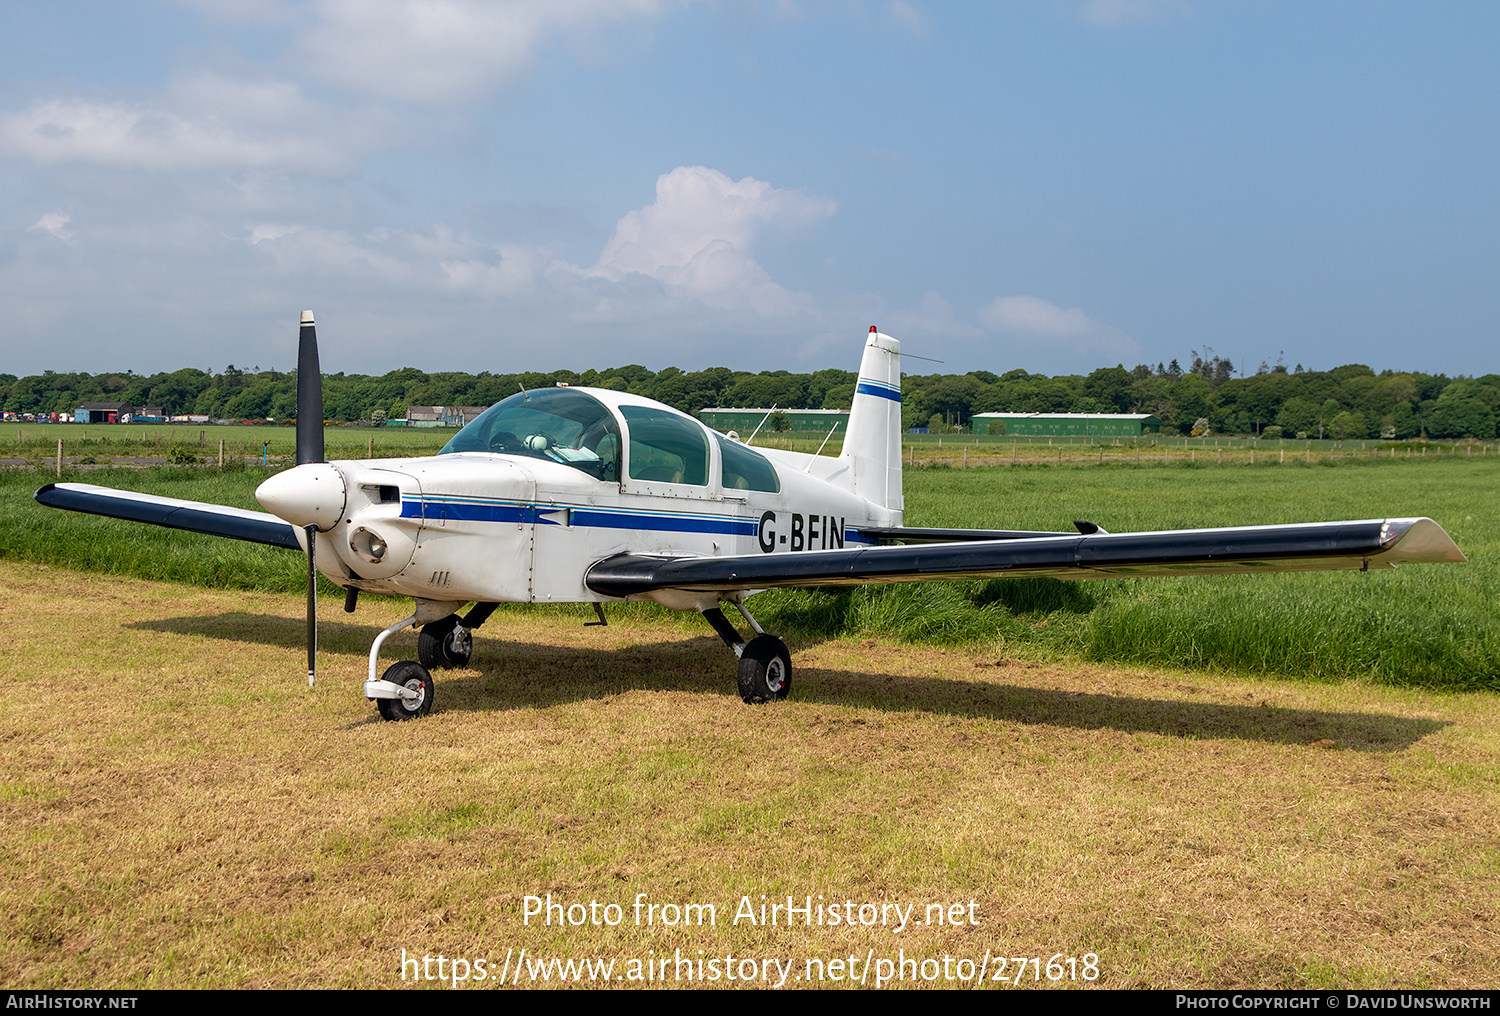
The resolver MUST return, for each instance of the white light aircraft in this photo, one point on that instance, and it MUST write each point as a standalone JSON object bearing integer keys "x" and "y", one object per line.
{"x": 584, "y": 495}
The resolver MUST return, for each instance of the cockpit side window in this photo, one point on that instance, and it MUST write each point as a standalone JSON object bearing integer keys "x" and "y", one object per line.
{"x": 557, "y": 424}
{"x": 665, "y": 447}
{"x": 744, "y": 469}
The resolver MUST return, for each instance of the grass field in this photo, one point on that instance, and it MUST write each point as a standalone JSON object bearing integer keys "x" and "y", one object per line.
{"x": 1271, "y": 781}
{"x": 104, "y": 443}
{"x": 178, "y": 809}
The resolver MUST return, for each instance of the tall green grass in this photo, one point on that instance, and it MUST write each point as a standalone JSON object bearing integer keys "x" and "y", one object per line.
{"x": 1430, "y": 625}
{"x": 1427, "y": 625}
{"x": 113, "y": 547}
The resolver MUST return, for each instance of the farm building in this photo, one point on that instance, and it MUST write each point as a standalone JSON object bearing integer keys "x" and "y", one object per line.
{"x": 104, "y": 412}
{"x": 1068, "y": 424}
{"x": 441, "y": 416}
{"x": 799, "y": 421}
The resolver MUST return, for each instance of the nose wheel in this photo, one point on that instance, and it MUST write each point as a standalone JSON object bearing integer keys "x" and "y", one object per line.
{"x": 415, "y": 689}
{"x": 405, "y": 690}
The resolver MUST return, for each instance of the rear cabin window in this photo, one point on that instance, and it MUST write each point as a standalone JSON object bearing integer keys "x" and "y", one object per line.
{"x": 744, "y": 469}
{"x": 665, "y": 447}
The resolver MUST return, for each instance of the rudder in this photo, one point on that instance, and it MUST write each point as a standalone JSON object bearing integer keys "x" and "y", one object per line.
{"x": 872, "y": 444}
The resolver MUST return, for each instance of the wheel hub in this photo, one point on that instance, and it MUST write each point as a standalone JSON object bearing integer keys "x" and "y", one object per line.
{"x": 775, "y": 675}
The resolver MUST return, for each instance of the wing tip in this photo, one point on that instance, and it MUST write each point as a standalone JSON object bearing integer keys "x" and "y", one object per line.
{"x": 1420, "y": 541}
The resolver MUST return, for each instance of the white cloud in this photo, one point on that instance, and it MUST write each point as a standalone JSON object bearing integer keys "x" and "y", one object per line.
{"x": 54, "y": 224}
{"x": 1036, "y": 320}
{"x": 1030, "y": 316}
{"x": 932, "y": 318}
{"x": 260, "y": 13}
{"x": 907, "y": 17}
{"x": 697, "y": 235}
{"x": 1116, "y": 13}
{"x": 676, "y": 282}
{"x": 203, "y": 122}
{"x": 315, "y": 252}
{"x": 269, "y": 231}
{"x": 438, "y": 51}
{"x": 685, "y": 255}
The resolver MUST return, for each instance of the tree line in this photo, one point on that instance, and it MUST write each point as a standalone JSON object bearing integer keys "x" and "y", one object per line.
{"x": 1351, "y": 401}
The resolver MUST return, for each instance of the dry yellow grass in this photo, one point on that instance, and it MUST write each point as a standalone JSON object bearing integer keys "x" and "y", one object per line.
{"x": 177, "y": 809}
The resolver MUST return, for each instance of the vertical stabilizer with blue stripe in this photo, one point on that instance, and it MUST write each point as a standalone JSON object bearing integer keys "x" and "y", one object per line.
{"x": 872, "y": 445}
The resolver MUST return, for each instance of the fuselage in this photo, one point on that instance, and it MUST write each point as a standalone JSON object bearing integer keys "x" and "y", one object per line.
{"x": 531, "y": 494}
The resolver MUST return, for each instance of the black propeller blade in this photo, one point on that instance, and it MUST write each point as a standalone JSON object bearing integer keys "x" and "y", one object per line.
{"x": 310, "y": 449}
{"x": 309, "y": 394}
{"x": 312, "y": 606}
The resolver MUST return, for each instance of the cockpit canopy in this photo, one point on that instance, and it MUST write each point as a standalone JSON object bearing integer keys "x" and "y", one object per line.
{"x": 572, "y": 427}
{"x": 556, "y": 424}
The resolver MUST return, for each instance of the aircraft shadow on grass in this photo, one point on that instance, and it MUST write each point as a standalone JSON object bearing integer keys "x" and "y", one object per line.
{"x": 513, "y": 675}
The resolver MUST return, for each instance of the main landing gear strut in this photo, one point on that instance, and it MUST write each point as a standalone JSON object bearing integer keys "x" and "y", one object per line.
{"x": 405, "y": 690}
{"x": 765, "y": 664}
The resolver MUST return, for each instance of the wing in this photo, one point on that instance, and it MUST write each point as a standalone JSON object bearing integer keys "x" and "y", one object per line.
{"x": 194, "y": 516}
{"x": 1313, "y": 546}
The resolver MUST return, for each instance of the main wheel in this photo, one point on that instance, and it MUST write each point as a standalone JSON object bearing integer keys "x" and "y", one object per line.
{"x": 444, "y": 644}
{"x": 408, "y": 675}
{"x": 765, "y": 670}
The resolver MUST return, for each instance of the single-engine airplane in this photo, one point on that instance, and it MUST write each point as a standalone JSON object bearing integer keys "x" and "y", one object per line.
{"x": 585, "y": 495}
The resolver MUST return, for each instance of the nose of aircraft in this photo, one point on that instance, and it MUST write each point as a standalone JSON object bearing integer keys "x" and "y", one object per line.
{"x": 312, "y": 494}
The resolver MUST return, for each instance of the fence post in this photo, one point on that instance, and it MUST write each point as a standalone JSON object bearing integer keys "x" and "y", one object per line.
{"x": 59, "y": 458}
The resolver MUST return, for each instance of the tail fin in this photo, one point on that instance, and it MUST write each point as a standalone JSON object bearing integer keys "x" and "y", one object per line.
{"x": 872, "y": 444}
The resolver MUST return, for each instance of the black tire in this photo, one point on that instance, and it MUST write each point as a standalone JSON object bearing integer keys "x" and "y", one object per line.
{"x": 765, "y": 670}
{"x": 444, "y": 644}
{"x": 409, "y": 675}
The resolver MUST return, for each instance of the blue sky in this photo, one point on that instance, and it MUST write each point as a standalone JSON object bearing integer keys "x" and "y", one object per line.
{"x": 1055, "y": 185}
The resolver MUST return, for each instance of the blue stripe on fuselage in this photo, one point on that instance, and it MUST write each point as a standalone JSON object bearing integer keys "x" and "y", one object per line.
{"x": 434, "y": 510}
{"x": 726, "y": 524}
{"x": 469, "y": 511}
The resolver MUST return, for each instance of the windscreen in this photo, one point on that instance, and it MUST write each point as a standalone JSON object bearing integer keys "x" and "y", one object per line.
{"x": 558, "y": 424}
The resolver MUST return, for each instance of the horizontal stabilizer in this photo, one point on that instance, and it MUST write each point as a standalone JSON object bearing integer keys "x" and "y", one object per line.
{"x": 193, "y": 516}
{"x": 1312, "y": 546}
